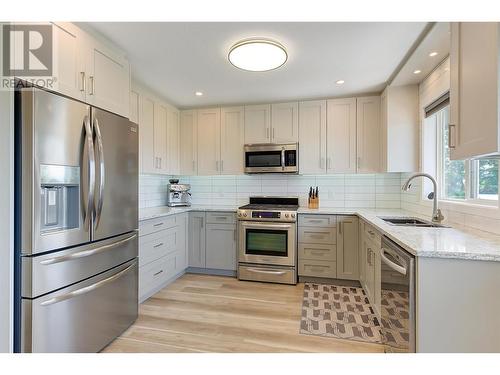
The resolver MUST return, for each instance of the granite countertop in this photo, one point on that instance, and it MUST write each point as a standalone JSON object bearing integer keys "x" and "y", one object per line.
{"x": 457, "y": 242}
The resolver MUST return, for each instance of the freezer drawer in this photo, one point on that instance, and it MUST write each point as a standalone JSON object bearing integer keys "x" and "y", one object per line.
{"x": 45, "y": 273}
{"x": 84, "y": 317}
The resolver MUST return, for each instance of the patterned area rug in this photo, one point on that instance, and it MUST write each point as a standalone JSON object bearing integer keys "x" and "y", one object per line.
{"x": 340, "y": 312}
{"x": 396, "y": 329}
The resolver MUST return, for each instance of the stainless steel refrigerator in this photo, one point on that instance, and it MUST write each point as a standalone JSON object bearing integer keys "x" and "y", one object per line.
{"x": 76, "y": 220}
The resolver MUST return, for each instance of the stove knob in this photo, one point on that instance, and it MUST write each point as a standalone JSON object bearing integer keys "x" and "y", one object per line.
{"x": 293, "y": 215}
{"x": 286, "y": 215}
{"x": 239, "y": 214}
{"x": 245, "y": 214}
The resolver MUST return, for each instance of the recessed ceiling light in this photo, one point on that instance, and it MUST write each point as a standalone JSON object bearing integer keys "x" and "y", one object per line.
{"x": 417, "y": 71}
{"x": 257, "y": 55}
{"x": 198, "y": 93}
{"x": 340, "y": 82}
{"x": 432, "y": 54}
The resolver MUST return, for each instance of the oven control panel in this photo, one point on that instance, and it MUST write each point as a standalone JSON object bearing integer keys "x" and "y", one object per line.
{"x": 284, "y": 216}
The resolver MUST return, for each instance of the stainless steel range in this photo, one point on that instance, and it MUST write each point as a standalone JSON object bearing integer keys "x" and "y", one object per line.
{"x": 268, "y": 240}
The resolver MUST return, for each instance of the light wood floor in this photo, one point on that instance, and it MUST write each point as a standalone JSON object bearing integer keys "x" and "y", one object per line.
{"x": 200, "y": 313}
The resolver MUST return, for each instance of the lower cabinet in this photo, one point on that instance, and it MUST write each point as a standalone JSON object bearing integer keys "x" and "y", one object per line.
{"x": 162, "y": 252}
{"x": 328, "y": 246}
{"x": 212, "y": 241}
{"x": 369, "y": 264}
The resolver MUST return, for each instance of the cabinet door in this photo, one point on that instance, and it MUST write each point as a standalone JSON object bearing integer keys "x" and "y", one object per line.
{"x": 182, "y": 251}
{"x": 285, "y": 122}
{"x": 347, "y": 248}
{"x": 173, "y": 139}
{"x": 196, "y": 242}
{"x": 69, "y": 63}
{"x": 312, "y": 137}
{"x": 209, "y": 141}
{"x": 221, "y": 246}
{"x": 232, "y": 133}
{"x": 341, "y": 136}
{"x": 134, "y": 107}
{"x": 258, "y": 123}
{"x": 108, "y": 79}
{"x": 362, "y": 254}
{"x": 160, "y": 138}
{"x": 189, "y": 146}
{"x": 474, "y": 89}
{"x": 368, "y": 134}
{"x": 147, "y": 136}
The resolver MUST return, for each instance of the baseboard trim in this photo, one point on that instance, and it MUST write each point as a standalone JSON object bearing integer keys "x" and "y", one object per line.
{"x": 211, "y": 271}
{"x": 324, "y": 280}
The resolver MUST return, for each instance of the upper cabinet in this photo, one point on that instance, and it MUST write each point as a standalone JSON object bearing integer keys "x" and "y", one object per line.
{"x": 399, "y": 129}
{"x": 159, "y": 133}
{"x": 258, "y": 124}
{"x": 285, "y": 123}
{"x": 232, "y": 128}
{"x": 69, "y": 62}
{"x": 209, "y": 141}
{"x": 108, "y": 78}
{"x": 341, "y": 136}
{"x": 188, "y": 143}
{"x": 312, "y": 137}
{"x": 474, "y": 90}
{"x": 368, "y": 134}
{"x": 90, "y": 71}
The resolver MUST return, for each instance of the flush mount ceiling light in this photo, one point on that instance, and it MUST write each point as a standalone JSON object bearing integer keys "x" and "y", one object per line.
{"x": 340, "y": 82}
{"x": 257, "y": 55}
{"x": 432, "y": 54}
{"x": 417, "y": 71}
{"x": 198, "y": 93}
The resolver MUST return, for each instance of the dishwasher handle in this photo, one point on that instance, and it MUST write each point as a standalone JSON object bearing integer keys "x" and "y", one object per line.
{"x": 396, "y": 267}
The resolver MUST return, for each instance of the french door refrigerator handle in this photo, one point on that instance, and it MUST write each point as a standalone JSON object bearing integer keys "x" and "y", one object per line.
{"x": 87, "y": 289}
{"x": 101, "y": 172}
{"x": 91, "y": 164}
{"x": 86, "y": 253}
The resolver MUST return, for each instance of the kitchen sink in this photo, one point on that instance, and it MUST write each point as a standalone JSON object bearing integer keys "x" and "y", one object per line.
{"x": 411, "y": 222}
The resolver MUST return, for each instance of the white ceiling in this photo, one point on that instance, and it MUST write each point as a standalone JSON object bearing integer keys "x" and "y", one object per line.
{"x": 177, "y": 59}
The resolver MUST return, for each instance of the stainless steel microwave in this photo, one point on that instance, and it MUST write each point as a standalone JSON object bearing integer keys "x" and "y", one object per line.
{"x": 272, "y": 158}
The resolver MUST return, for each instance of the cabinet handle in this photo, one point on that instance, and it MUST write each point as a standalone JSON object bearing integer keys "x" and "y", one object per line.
{"x": 202, "y": 220}
{"x": 369, "y": 258}
{"x": 329, "y": 163}
{"x": 157, "y": 273}
{"x": 217, "y": 166}
{"x": 273, "y": 133}
{"x": 267, "y": 133}
{"x": 92, "y": 85}
{"x": 359, "y": 161}
{"x": 451, "y": 138}
{"x": 83, "y": 83}
{"x": 158, "y": 245}
{"x": 158, "y": 224}
{"x": 340, "y": 227}
{"x": 222, "y": 165}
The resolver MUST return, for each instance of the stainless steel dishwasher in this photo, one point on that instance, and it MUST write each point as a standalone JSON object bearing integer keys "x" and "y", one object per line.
{"x": 398, "y": 298}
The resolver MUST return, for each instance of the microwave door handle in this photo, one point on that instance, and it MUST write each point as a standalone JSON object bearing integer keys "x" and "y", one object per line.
{"x": 91, "y": 171}
{"x": 100, "y": 152}
{"x": 283, "y": 159}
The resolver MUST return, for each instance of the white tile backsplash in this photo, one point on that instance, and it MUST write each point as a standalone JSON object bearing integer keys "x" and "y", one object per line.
{"x": 367, "y": 191}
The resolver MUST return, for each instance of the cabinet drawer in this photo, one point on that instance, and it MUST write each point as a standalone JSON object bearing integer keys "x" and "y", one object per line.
{"x": 317, "y": 268}
{"x": 317, "y": 220}
{"x": 372, "y": 234}
{"x": 317, "y": 252}
{"x": 221, "y": 218}
{"x": 155, "y": 225}
{"x": 317, "y": 235}
{"x": 152, "y": 275}
{"x": 159, "y": 244}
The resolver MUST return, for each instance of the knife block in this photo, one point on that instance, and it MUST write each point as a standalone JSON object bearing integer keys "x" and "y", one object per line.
{"x": 313, "y": 202}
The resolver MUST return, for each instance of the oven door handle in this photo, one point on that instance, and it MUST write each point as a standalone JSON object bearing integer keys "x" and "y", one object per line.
{"x": 396, "y": 267}
{"x": 247, "y": 224}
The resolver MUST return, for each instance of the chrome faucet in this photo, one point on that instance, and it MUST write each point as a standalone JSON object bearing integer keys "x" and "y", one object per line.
{"x": 437, "y": 216}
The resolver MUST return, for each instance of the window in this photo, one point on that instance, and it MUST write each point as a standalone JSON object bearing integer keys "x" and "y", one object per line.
{"x": 474, "y": 181}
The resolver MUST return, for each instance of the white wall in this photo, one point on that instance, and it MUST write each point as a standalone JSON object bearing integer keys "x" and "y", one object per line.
{"x": 6, "y": 228}
{"x": 350, "y": 191}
